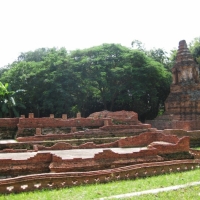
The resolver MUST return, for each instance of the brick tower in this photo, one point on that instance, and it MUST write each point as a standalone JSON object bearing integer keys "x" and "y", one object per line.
{"x": 182, "y": 106}
{"x": 183, "y": 102}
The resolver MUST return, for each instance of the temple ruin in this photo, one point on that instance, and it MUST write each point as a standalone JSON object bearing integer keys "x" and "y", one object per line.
{"x": 63, "y": 152}
{"x": 106, "y": 146}
{"x": 182, "y": 106}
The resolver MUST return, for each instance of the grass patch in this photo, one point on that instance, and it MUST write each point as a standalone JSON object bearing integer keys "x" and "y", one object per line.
{"x": 96, "y": 191}
{"x": 196, "y": 148}
{"x": 190, "y": 193}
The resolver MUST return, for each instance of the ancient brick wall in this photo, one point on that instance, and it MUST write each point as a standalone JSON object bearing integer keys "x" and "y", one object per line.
{"x": 27, "y": 126}
{"x": 9, "y": 122}
{"x": 182, "y": 145}
{"x": 110, "y": 159}
{"x": 8, "y": 128}
{"x": 61, "y": 180}
{"x": 103, "y": 160}
{"x": 29, "y": 146}
{"x": 66, "y": 146}
{"x": 90, "y": 133}
{"x": 175, "y": 124}
{"x": 58, "y": 122}
{"x": 118, "y": 127}
{"x": 140, "y": 140}
{"x": 33, "y": 165}
{"x": 194, "y": 135}
{"x": 118, "y": 117}
{"x": 146, "y": 138}
{"x": 41, "y": 161}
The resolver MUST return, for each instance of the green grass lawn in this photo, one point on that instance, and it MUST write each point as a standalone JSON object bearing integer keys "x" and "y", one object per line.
{"x": 196, "y": 148}
{"x": 190, "y": 193}
{"x": 96, "y": 191}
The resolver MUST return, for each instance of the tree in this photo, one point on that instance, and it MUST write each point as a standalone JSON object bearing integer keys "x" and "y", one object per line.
{"x": 109, "y": 76}
{"x": 138, "y": 45}
{"x": 102, "y": 70}
{"x": 8, "y": 105}
{"x": 41, "y": 81}
{"x": 194, "y": 47}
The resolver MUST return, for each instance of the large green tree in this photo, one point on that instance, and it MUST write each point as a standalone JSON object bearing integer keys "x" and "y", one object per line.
{"x": 109, "y": 76}
{"x": 8, "y": 105}
{"x": 194, "y": 47}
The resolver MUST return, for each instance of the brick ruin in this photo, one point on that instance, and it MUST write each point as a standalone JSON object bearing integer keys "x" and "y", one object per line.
{"x": 159, "y": 151}
{"x": 182, "y": 106}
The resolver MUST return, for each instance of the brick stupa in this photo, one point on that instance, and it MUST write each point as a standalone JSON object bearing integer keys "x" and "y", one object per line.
{"x": 183, "y": 102}
{"x": 184, "y": 99}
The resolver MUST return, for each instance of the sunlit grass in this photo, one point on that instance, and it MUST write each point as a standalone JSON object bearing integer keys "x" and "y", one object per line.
{"x": 196, "y": 148}
{"x": 190, "y": 193}
{"x": 96, "y": 191}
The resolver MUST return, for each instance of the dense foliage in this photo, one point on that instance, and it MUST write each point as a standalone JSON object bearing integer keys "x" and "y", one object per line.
{"x": 109, "y": 76}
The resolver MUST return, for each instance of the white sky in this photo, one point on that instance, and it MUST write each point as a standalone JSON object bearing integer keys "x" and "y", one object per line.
{"x": 26, "y": 25}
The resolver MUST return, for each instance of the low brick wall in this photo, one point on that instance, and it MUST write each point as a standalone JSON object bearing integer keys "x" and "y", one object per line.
{"x": 27, "y": 126}
{"x": 8, "y": 128}
{"x": 175, "y": 124}
{"x": 141, "y": 140}
{"x": 165, "y": 148}
{"x": 124, "y": 127}
{"x": 67, "y": 146}
{"x": 41, "y": 162}
{"x": 69, "y": 179}
{"x": 146, "y": 138}
{"x": 105, "y": 160}
{"x": 59, "y": 122}
{"x": 9, "y": 122}
{"x": 193, "y": 134}
{"x": 90, "y": 133}
{"x": 18, "y": 146}
{"x": 33, "y": 165}
{"x": 110, "y": 159}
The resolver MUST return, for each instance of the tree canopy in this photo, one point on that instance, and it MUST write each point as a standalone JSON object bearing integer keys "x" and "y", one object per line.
{"x": 109, "y": 76}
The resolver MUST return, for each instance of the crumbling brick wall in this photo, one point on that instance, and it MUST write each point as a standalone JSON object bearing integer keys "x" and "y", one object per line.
{"x": 8, "y": 128}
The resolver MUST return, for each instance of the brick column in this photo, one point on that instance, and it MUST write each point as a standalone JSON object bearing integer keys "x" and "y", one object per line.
{"x": 78, "y": 115}
{"x": 105, "y": 122}
{"x": 73, "y": 129}
{"x": 31, "y": 115}
{"x": 51, "y": 115}
{"x": 64, "y": 116}
{"x": 38, "y": 131}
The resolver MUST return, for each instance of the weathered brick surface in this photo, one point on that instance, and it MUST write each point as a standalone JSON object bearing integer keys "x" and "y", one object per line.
{"x": 141, "y": 140}
{"x": 33, "y": 165}
{"x": 106, "y": 159}
{"x": 59, "y": 122}
{"x": 9, "y": 122}
{"x": 183, "y": 145}
{"x": 118, "y": 117}
{"x": 175, "y": 124}
{"x": 8, "y": 128}
{"x": 68, "y": 179}
{"x": 27, "y": 126}
{"x": 74, "y": 142}
{"x": 145, "y": 139}
{"x": 118, "y": 127}
{"x": 89, "y": 133}
{"x": 182, "y": 106}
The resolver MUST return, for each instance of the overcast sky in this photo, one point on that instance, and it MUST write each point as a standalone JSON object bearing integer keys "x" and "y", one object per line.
{"x": 26, "y": 25}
